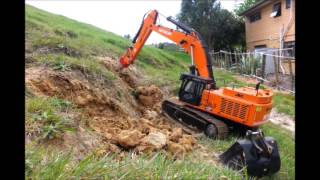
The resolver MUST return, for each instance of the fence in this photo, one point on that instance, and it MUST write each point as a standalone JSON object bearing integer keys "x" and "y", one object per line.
{"x": 274, "y": 67}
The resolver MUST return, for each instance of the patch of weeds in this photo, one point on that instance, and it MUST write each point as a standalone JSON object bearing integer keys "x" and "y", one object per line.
{"x": 62, "y": 66}
{"x": 217, "y": 145}
{"x": 109, "y": 41}
{"x": 58, "y": 165}
{"x": 62, "y": 104}
{"x": 86, "y": 65}
{"x": 44, "y": 120}
{"x": 284, "y": 103}
{"x": 119, "y": 94}
{"x": 51, "y": 125}
{"x": 66, "y": 33}
{"x": 41, "y": 163}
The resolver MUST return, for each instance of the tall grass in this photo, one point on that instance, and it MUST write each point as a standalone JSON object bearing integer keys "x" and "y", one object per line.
{"x": 49, "y": 164}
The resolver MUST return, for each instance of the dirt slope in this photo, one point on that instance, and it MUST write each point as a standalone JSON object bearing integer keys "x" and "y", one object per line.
{"x": 124, "y": 115}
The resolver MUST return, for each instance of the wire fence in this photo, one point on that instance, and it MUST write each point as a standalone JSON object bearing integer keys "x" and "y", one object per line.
{"x": 275, "y": 67}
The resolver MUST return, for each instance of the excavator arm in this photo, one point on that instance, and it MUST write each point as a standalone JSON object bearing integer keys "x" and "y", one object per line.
{"x": 189, "y": 40}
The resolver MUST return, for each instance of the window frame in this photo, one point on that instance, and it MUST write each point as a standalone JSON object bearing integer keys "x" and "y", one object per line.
{"x": 260, "y": 46}
{"x": 288, "y": 4}
{"x": 290, "y": 44}
{"x": 256, "y": 16}
{"x": 275, "y": 10}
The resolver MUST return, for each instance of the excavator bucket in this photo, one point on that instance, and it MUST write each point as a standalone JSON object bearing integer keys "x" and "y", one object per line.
{"x": 258, "y": 154}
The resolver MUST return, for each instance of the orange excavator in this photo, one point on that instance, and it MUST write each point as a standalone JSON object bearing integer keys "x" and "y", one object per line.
{"x": 213, "y": 110}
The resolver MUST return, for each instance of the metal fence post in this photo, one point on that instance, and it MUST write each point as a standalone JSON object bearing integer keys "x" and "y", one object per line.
{"x": 263, "y": 67}
{"x": 275, "y": 68}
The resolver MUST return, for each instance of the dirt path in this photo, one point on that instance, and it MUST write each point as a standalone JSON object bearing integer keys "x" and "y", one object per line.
{"x": 283, "y": 120}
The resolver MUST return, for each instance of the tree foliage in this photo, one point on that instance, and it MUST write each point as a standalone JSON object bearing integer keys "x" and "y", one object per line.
{"x": 219, "y": 28}
{"x": 245, "y": 5}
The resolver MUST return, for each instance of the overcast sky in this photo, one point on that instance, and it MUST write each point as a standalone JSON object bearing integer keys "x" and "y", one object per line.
{"x": 120, "y": 17}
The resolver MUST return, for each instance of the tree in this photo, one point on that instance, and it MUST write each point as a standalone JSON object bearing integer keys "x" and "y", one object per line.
{"x": 219, "y": 28}
{"x": 127, "y": 36}
{"x": 245, "y": 5}
{"x": 161, "y": 45}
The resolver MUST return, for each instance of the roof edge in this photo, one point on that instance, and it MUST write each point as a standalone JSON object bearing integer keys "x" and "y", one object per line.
{"x": 256, "y": 6}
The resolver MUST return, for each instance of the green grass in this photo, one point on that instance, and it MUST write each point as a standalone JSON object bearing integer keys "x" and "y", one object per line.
{"x": 44, "y": 120}
{"x": 63, "y": 42}
{"x": 225, "y": 78}
{"x": 284, "y": 103}
{"x": 286, "y": 145}
{"x": 63, "y": 62}
{"x": 49, "y": 164}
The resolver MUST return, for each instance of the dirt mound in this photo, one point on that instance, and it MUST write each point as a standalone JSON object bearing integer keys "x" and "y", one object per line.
{"x": 129, "y": 138}
{"x": 77, "y": 88}
{"x": 129, "y": 75}
{"x": 148, "y": 96}
{"x": 176, "y": 134}
{"x": 142, "y": 135}
{"x": 131, "y": 122}
{"x": 151, "y": 142}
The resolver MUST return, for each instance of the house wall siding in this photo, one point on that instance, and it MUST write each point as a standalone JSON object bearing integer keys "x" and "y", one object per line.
{"x": 266, "y": 30}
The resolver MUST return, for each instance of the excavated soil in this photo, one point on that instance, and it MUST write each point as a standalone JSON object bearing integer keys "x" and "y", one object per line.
{"x": 123, "y": 115}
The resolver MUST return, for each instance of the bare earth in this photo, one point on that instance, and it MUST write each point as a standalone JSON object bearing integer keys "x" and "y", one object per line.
{"x": 283, "y": 120}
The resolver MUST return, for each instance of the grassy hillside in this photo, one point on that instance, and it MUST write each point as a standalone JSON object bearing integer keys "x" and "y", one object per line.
{"x": 64, "y": 44}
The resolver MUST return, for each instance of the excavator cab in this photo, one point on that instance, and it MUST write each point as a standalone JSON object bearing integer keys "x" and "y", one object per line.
{"x": 192, "y": 87}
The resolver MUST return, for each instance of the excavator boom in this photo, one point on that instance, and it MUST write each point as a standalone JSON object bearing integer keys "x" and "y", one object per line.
{"x": 189, "y": 40}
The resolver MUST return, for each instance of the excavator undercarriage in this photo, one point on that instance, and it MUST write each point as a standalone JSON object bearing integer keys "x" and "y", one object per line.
{"x": 195, "y": 119}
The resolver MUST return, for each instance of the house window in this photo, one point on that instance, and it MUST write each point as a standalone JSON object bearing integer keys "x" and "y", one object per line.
{"x": 257, "y": 48}
{"x": 255, "y": 17}
{"x": 288, "y": 4}
{"x": 260, "y": 46}
{"x": 276, "y": 10}
{"x": 290, "y": 46}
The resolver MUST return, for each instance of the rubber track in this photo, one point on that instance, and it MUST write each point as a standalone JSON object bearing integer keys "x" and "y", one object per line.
{"x": 201, "y": 117}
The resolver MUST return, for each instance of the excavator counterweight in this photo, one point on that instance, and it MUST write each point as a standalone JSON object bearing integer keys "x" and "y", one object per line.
{"x": 211, "y": 109}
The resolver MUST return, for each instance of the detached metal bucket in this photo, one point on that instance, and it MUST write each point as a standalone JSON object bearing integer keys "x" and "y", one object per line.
{"x": 257, "y": 153}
